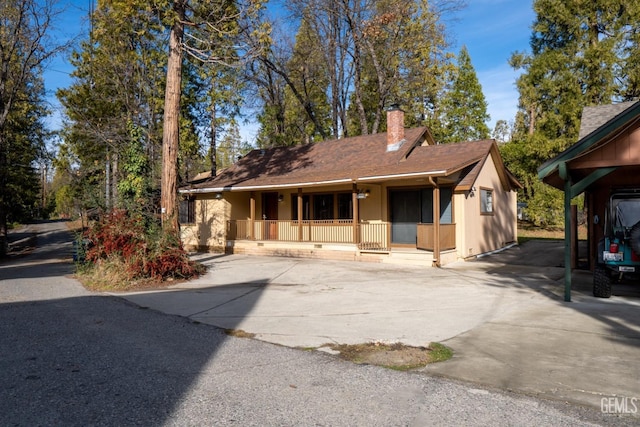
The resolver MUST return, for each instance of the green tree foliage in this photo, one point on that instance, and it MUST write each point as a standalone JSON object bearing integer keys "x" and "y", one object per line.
{"x": 288, "y": 102}
{"x": 134, "y": 187}
{"x": 403, "y": 59}
{"x": 218, "y": 92}
{"x": 463, "y": 109}
{"x": 365, "y": 55}
{"x": 65, "y": 201}
{"x": 582, "y": 54}
{"x": 118, "y": 82}
{"x": 231, "y": 147}
{"x": 25, "y": 47}
{"x": 24, "y": 138}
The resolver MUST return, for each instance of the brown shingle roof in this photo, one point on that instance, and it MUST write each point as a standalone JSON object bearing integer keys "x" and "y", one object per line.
{"x": 346, "y": 160}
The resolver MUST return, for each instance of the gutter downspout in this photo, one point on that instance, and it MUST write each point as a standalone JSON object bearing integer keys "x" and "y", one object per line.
{"x": 300, "y": 224}
{"x": 436, "y": 222}
{"x": 252, "y": 210}
{"x": 356, "y": 212}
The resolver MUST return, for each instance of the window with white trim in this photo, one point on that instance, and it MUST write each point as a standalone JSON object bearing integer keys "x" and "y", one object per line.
{"x": 486, "y": 201}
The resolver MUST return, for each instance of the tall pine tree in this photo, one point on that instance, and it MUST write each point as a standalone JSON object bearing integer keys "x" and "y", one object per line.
{"x": 25, "y": 47}
{"x": 582, "y": 53}
{"x": 463, "y": 110}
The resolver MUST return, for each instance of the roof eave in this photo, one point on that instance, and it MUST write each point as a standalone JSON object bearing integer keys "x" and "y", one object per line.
{"x": 264, "y": 187}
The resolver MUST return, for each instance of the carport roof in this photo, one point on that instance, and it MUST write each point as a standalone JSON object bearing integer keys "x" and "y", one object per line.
{"x": 599, "y": 126}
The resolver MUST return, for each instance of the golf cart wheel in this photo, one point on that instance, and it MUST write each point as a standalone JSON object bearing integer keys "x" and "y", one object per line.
{"x": 601, "y": 282}
{"x": 635, "y": 237}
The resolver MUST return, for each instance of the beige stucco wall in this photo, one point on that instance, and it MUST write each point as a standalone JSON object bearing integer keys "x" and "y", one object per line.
{"x": 478, "y": 233}
{"x": 208, "y": 230}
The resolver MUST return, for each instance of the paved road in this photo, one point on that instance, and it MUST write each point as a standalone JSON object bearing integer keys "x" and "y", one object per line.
{"x": 71, "y": 357}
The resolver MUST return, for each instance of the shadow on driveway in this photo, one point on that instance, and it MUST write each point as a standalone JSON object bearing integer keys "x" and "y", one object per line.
{"x": 70, "y": 357}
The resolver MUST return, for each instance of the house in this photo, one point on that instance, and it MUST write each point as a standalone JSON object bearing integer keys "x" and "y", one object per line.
{"x": 388, "y": 197}
{"x": 605, "y": 157}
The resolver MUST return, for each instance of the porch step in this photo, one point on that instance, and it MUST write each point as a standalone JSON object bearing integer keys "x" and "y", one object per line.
{"x": 410, "y": 257}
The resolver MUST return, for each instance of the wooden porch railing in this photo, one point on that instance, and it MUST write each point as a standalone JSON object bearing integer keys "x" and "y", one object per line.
{"x": 370, "y": 236}
{"x": 447, "y": 236}
{"x": 374, "y": 236}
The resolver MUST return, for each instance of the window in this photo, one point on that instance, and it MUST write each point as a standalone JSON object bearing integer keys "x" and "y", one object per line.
{"x": 305, "y": 207}
{"x": 486, "y": 201}
{"x": 345, "y": 206}
{"x": 187, "y": 211}
{"x": 323, "y": 206}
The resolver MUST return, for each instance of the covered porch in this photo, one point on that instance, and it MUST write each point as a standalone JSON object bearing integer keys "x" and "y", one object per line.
{"x": 367, "y": 236}
{"x": 371, "y": 219}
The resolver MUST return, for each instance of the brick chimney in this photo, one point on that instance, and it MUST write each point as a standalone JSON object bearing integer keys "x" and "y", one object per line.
{"x": 395, "y": 128}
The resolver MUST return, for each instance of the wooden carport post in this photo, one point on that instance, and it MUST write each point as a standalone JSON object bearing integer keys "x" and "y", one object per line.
{"x": 575, "y": 256}
{"x": 571, "y": 190}
{"x": 563, "y": 171}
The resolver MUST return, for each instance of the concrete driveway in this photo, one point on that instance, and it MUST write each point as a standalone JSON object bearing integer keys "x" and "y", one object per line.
{"x": 503, "y": 315}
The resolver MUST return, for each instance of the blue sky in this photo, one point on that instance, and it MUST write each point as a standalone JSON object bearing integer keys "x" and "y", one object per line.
{"x": 491, "y": 30}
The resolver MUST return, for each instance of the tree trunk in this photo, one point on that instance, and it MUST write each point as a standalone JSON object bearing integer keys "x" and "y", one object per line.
{"x": 114, "y": 180}
{"x": 214, "y": 145}
{"x": 357, "y": 79}
{"x": 4, "y": 242}
{"x": 171, "y": 132}
{"x": 532, "y": 119}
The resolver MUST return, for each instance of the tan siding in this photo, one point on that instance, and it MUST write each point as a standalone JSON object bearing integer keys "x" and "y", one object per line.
{"x": 485, "y": 233}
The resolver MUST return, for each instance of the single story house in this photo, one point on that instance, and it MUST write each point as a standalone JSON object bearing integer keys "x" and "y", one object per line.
{"x": 388, "y": 197}
{"x": 605, "y": 157}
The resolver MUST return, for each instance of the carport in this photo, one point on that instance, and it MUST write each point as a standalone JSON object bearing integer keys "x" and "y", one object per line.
{"x": 606, "y": 156}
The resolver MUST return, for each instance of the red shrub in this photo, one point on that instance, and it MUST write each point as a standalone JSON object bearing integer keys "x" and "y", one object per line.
{"x": 120, "y": 235}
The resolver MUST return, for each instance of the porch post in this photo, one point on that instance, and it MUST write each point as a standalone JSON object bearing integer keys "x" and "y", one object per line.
{"x": 300, "y": 214}
{"x": 436, "y": 222}
{"x": 574, "y": 237}
{"x": 252, "y": 210}
{"x": 356, "y": 211}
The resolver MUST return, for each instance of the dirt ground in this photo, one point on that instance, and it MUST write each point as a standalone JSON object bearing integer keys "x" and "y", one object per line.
{"x": 394, "y": 356}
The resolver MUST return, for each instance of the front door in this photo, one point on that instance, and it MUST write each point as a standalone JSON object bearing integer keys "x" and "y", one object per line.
{"x": 405, "y": 215}
{"x": 412, "y": 207}
{"x": 270, "y": 216}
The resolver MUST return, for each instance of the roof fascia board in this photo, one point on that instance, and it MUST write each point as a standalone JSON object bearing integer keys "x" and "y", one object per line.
{"x": 402, "y": 175}
{"x": 264, "y": 187}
